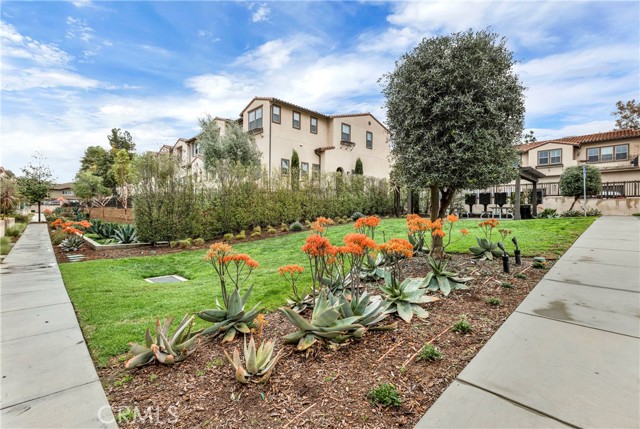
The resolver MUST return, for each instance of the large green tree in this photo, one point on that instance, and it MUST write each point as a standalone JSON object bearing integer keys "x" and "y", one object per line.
{"x": 122, "y": 172}
{"x": 454, "y": 108}
{"x": 119, "y": 139}
{"x": 87, "y": 186}
{"x": 628, "y": 115}
{"x": 36, "y": 181}
{"x": 295, "y": 170}
{"x": 231, "y": 147}
{"x": 572, "y": 182}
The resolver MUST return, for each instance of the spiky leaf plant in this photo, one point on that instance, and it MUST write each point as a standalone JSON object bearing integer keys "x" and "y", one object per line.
{"x": 258, "y": 360}
{"x": 405, "y": 298}
{"x": 441, "y": 279}
{"x": 485, "y": 249}
{"x": 327, "y": 323}
{"x": 72, "y": 243}
{"x": 164, "y": 348}
{"x": 231, "y": 320}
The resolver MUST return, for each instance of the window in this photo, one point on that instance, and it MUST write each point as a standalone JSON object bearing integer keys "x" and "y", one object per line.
{"x": 314, "y": 125}
{"x": 346, "y": 133}
{"x": 315, "y": 172}
{"x": 606, "y": 153}
{"x": 275, "y": 114}
{"x": 195, "y": 149}
{"x": 67, "y": 192}
{"x": 622, "y": 152}
{"x": 296, "y": 120}
{"x": 304, "y": 170}
{"x": 255, "y": 119}
{"x": 593, "y": 154}
{"x": 369, "y": 140}
{"x": 550, "y": 157}
{"x": 284, "y": 166}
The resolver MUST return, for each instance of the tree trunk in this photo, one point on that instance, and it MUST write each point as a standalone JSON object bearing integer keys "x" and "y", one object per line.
{"x": 575, "y": 200}
{"x": 434, "y": 212}
{"x": 38, "y": 211}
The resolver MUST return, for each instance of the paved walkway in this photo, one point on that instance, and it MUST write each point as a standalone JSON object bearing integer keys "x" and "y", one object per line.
{"x": 569, "y": 356}
{"x": 48, "y": 377}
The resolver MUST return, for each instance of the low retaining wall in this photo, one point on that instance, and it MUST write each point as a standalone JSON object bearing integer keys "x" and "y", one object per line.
{"x": 608, "y": 206}
{"x": 112, "y": 214}
{"x": 5, "y": 224}
{"x": 97, "y": 246}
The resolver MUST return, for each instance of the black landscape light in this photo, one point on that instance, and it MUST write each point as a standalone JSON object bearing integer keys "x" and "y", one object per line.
{"x": 505, "y": 258}
{"x": 516, "y": 253}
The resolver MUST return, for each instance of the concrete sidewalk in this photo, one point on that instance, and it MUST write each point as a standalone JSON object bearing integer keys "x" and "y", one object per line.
{"x": 569, "y": 356}
{"x": 48, "y": 377}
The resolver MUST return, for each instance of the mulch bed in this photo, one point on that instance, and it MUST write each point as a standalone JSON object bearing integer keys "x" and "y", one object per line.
{"x": 327, "y": 388}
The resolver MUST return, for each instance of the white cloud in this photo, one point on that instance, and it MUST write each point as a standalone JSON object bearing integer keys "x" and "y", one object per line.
{"x": 78, "y": 28}
{"x": 273, "y": 55}
{"x": 576, "y": 129}
{"x": 261, "y": 14}
{"x": 17, "y": 46}
{"x": 82, "y": 3}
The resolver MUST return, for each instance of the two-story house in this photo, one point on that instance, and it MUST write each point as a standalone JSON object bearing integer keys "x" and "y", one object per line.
{"x": 324, "y": 143}
{"x": 614, "y": 153}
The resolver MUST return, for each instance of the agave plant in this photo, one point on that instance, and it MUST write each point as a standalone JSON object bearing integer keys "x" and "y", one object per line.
{"x": 486, "y": 249}
{"x": 126, "y": 234}
{"x": 259, "y": 362}
{"x": 405, "y": 298}
{"x": 231, "y": 319}
{"x": 441, "y": 279}
{"x": 372, "y": 268}
{"x": 164, "y": 348}
{"x": 327, "y": 323}
{"x": 106, "y": 230}
{"x": 72, "y": 243}
{"x": 369, "y": 309}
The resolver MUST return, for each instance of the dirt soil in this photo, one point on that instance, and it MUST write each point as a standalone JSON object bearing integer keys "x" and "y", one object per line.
{"x": 326, "y": 388}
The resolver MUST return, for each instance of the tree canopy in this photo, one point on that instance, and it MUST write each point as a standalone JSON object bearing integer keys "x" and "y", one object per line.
{"x": 628, "y": 115}
{"x": 119, "y": 139}
{"x": 234, "y": 146}
{"x": 87, "y": 186}
{"x": 572, "y": 182}
{"x": 359, "y": 168}
{"x": 36, "y": 181}
{"x": 98, "y": 161}
{"x": 454, "y": 108}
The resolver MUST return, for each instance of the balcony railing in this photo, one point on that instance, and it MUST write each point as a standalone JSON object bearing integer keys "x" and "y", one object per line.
{"x": 552, "y": 189}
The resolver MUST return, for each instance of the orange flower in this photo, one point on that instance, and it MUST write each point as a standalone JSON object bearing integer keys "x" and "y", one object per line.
{"x": 452, "y": 218}
{"x": 438, "y": 233}
{"x": 218, "y": 251}
{"x": 290, "y": 269}
{"x": 397, "y": 247}
{"x": 412, "y": 216}
{"x": 316, "y": 245}
{"x": 56, "y": 223}
{"x": 72, "y": 230}
{"x": 317, "y": 228}
{"x": 491, "y": 223}
{"x": 464, "y": 231}
{"x": 360, "y": 240}
{"x": 369, "y": 221}
{"x": 417, "y": 223}
{"x": 84, "y": 224}
{"x": 324, "y": 221}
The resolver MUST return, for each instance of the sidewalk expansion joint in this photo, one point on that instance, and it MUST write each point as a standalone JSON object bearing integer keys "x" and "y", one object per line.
{"x": 597, "y": 248}
{"x": 97, "y": 380}
{"x": 588, "y": 285}
{"x": 37, "y": 306}
{"x": 517, "y": 404}
{"x": 46, "y": 333}
{"x": 577, "y": 324}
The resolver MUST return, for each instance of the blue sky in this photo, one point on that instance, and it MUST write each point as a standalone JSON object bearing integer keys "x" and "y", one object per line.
{"x": 71, "y": 71}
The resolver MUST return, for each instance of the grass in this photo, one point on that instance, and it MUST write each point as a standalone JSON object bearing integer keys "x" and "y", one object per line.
{"x": 115, "y": 304}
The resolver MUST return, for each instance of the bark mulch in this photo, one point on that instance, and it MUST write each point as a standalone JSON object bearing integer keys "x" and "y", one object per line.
{"x": 326, "y": 387}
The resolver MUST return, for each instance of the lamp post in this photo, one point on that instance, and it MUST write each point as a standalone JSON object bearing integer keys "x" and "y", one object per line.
{"x": 584, "y": 186}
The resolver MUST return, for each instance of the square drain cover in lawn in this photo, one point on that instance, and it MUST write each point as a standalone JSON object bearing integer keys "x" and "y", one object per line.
{"x": 166, "y": 279}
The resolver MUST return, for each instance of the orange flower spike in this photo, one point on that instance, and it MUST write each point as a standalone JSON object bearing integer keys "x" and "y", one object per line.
{"x": 464, "y": 231}
{"x": 290, "y": 269}
{"x": 218, "y": 251}
{"x": 438, "y": 233}
{"x": 252, "y": 263}
{"x": 452, "y": 218}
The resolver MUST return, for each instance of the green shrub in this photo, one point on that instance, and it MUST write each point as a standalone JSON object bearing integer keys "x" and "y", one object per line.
{"x": 296, "y": 226}
{"x": 198, "y": 242}
{"x": 520, "y": 276}
{"x": 57, "y": 237}
{"x": 462, "y": 326}
{"x": 507, "y": 285}
{"x": 185, "y": 244}
{"x": 356, "y": 216}
{"x": 594, "y": 212}
{"x": 16, "y": 230}
{"x": 429, "y": 352}
{"x": 257, "y": 229}
{"x": 5, "y": 245}
{"x": 173, "y": 243}
{"x": 21, "y": 218}
{"x": 385, "y": 394}
{"x": 228, "y": 237}
{"x": 271, "y": 230}
{"x": 493, "y": 301}
{"x": 548, "y": 214}
{"x": 572, "y": 213}
{"x": 284, "y": 227}
{"x": 241, "y": 236}
{"x": 256, "y": 234}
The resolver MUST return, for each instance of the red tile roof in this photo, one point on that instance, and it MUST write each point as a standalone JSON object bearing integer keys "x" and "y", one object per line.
{"x": 588, "y": 138}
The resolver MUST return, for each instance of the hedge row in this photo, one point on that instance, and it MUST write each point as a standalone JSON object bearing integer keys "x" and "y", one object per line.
{"x": 169, "y": 208}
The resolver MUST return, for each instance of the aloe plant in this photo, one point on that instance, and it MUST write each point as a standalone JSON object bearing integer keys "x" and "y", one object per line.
{"x": 441, "y": 279}
{"x": 164, "y": 348}
{"x": 373, "y": 268}
{"x": 258, "y": 360}
{"x": 126, "y": 234}
{"x": 485, "y": 249}
{"x": 369, "y": 309}
{"x": 405, "y": 298}
{"x": 231, "y": 319}
{"x": 327, "y": 323}
{"x": 72, "y": 243}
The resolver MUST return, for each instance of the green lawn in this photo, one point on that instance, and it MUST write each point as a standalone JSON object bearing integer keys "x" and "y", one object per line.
{"x": 114, "y": 304}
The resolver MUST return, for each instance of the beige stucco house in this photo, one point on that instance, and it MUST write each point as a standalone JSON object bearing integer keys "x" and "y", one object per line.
{"x": 61, "y": 191}
{"x": 325, "y": 143}
{"x": 615, "y": 153}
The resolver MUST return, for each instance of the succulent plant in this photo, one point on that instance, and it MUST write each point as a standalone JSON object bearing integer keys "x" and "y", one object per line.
{"x": 125, "y": 234}
{"x": 373, "y": 268}
{"x": 72, "y": 243}
{"x": 405, "y": 298}
{"x": 231, "y": 320}
{"x": 442, "y": 280}
{"x": 327, "y": 323}
{"x": 258, "y": 360}
{"x": 369, "y": 309}
{"x": 485, "y": 249}
{"x": 164, "y": 348}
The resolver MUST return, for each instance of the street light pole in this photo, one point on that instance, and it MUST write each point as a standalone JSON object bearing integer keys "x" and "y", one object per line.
{"x": 584, "y": 186}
